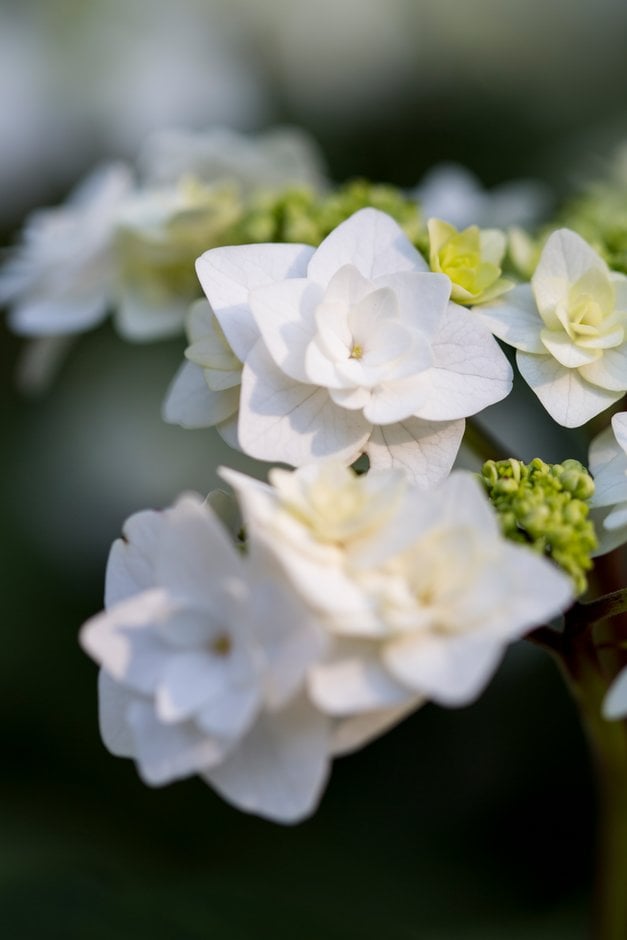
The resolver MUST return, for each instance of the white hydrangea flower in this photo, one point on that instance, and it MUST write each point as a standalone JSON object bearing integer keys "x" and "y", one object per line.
{"x": 204, "y": 655}
{"x": 351, "y": 347}
{"x": 61, "y": 279}
{"x": 608, "y": 464}
{"x": 279, "y": 158}
{"x": 419, "y": 591}
{"x": 569, "y": 329}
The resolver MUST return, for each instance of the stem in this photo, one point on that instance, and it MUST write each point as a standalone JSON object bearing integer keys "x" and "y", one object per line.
{"x": 608, "y": 745}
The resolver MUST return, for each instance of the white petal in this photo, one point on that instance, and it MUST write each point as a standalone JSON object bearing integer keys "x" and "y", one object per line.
{"x": 520, "y": 609}
{"x": 190, "y": 403}
{"x": 564, "y": 259}
{"x": 609, "y": 371}
{"x": 603, "y": 449}
{"x": 426, "y": 450}
{"x": 230, "y": 714}
{"x": 350, "y": 734}
{"x": 617, "y": 519}
{"x": 615, "y": 704}
{"x": 283, "y": 420}
{"x": 140, "y": 318}
{"x": 610, "y": 483}
{"x": 228, "y": 431}
{"x": 56, "y": 316}
{"x": 514, "y": 319}
{"x": 284, "y": 314}
{"x": 395, "y": 401}
{"x": 450, "y": 670}
{"x": 165, "y": 753}
{"x": 462, "y": 502}
{"x": 196, "y": 556}
{"x": 470, "y": 371}
{"x": 619, "y": 426}
{"x": 568, "y": 398}
{"x": 196, "y": 678}
{"x": 280, "y": 769}
{"x": 290, "y": 637}
{"x": 123, "y": 642}
{"x": 355, "y": 683}
{"x": 228, "y": 274}
{"x": 371, "y": 241}
{"x": 568, "y": 353}
{"x": 422, "y": 297}
{"x": 113, "y": 702}
{"x": 131, "y": 563}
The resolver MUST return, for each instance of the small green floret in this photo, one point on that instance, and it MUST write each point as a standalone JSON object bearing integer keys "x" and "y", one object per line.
{"x": 546, "y": 507}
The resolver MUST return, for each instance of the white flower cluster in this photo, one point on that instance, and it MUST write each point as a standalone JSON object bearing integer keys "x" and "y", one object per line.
{"x": 126, "y": 242}
{"x": 356, "y": 599}
{"x": 349, "y": 348}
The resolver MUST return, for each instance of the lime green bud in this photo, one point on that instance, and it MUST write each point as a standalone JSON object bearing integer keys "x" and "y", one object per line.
{"x": 471, "y": 258}
{"x": 545, "y": 506}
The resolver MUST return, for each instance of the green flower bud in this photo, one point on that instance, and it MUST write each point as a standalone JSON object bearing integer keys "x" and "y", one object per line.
{"x": 545, "y": 506}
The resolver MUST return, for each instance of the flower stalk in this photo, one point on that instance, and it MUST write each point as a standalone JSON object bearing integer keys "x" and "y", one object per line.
{"x": 587, "y": 653}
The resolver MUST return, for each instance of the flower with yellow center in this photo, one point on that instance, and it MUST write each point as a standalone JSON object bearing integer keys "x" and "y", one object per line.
{"x": 470, "y": 258}
{"x": 569, "y": 327}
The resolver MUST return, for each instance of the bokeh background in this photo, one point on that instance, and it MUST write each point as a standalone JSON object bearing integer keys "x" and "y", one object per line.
{"x": 474, "y": 823}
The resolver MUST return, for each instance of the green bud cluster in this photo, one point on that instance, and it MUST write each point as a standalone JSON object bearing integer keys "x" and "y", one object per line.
{"x": 546, "y": 507}
{"x": 302, "y": 216}
{"x": 600, "y": 216}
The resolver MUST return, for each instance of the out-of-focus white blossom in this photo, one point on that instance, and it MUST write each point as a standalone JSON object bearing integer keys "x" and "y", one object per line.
{"x": 61, "y": 278}
{"x": 159, "y": 235}
{"x": 419, "y": 591}
{"x": 351, "y": 347}
{"x": 204, "y": 655}
{"x": 569, "y": 327}
{"x": 277, "y": 159}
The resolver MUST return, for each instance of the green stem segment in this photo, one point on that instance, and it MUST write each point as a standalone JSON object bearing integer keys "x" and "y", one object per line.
{"x": 608, "y": 745}
{"x": 590, "y": 653}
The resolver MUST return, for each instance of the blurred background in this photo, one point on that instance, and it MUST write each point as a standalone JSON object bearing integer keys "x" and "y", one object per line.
{"x": 475, "y": 823}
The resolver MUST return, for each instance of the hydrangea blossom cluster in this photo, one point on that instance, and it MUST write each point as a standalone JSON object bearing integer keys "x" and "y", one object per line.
{"x": 358, "y": 599}
{"x": 356, "y": 323}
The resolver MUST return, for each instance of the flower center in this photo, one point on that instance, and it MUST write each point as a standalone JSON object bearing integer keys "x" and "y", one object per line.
{"x": 357, "y": 351}
{"x": 222, "y": 645}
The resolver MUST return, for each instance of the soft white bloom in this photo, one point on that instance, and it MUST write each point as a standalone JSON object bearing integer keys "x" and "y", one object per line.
{"x": 419, "y": 591}
{"x": 279, "y": 158}
{"x": 159, "y": 235}
{"x": 608, "y": 464}
{"x": 61, "y": 278}
{"x": 569, "y": 329}
{"x": 351, "y": 347}
{"x": 204, "y": 655}
{"x": 451, "y": 192}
